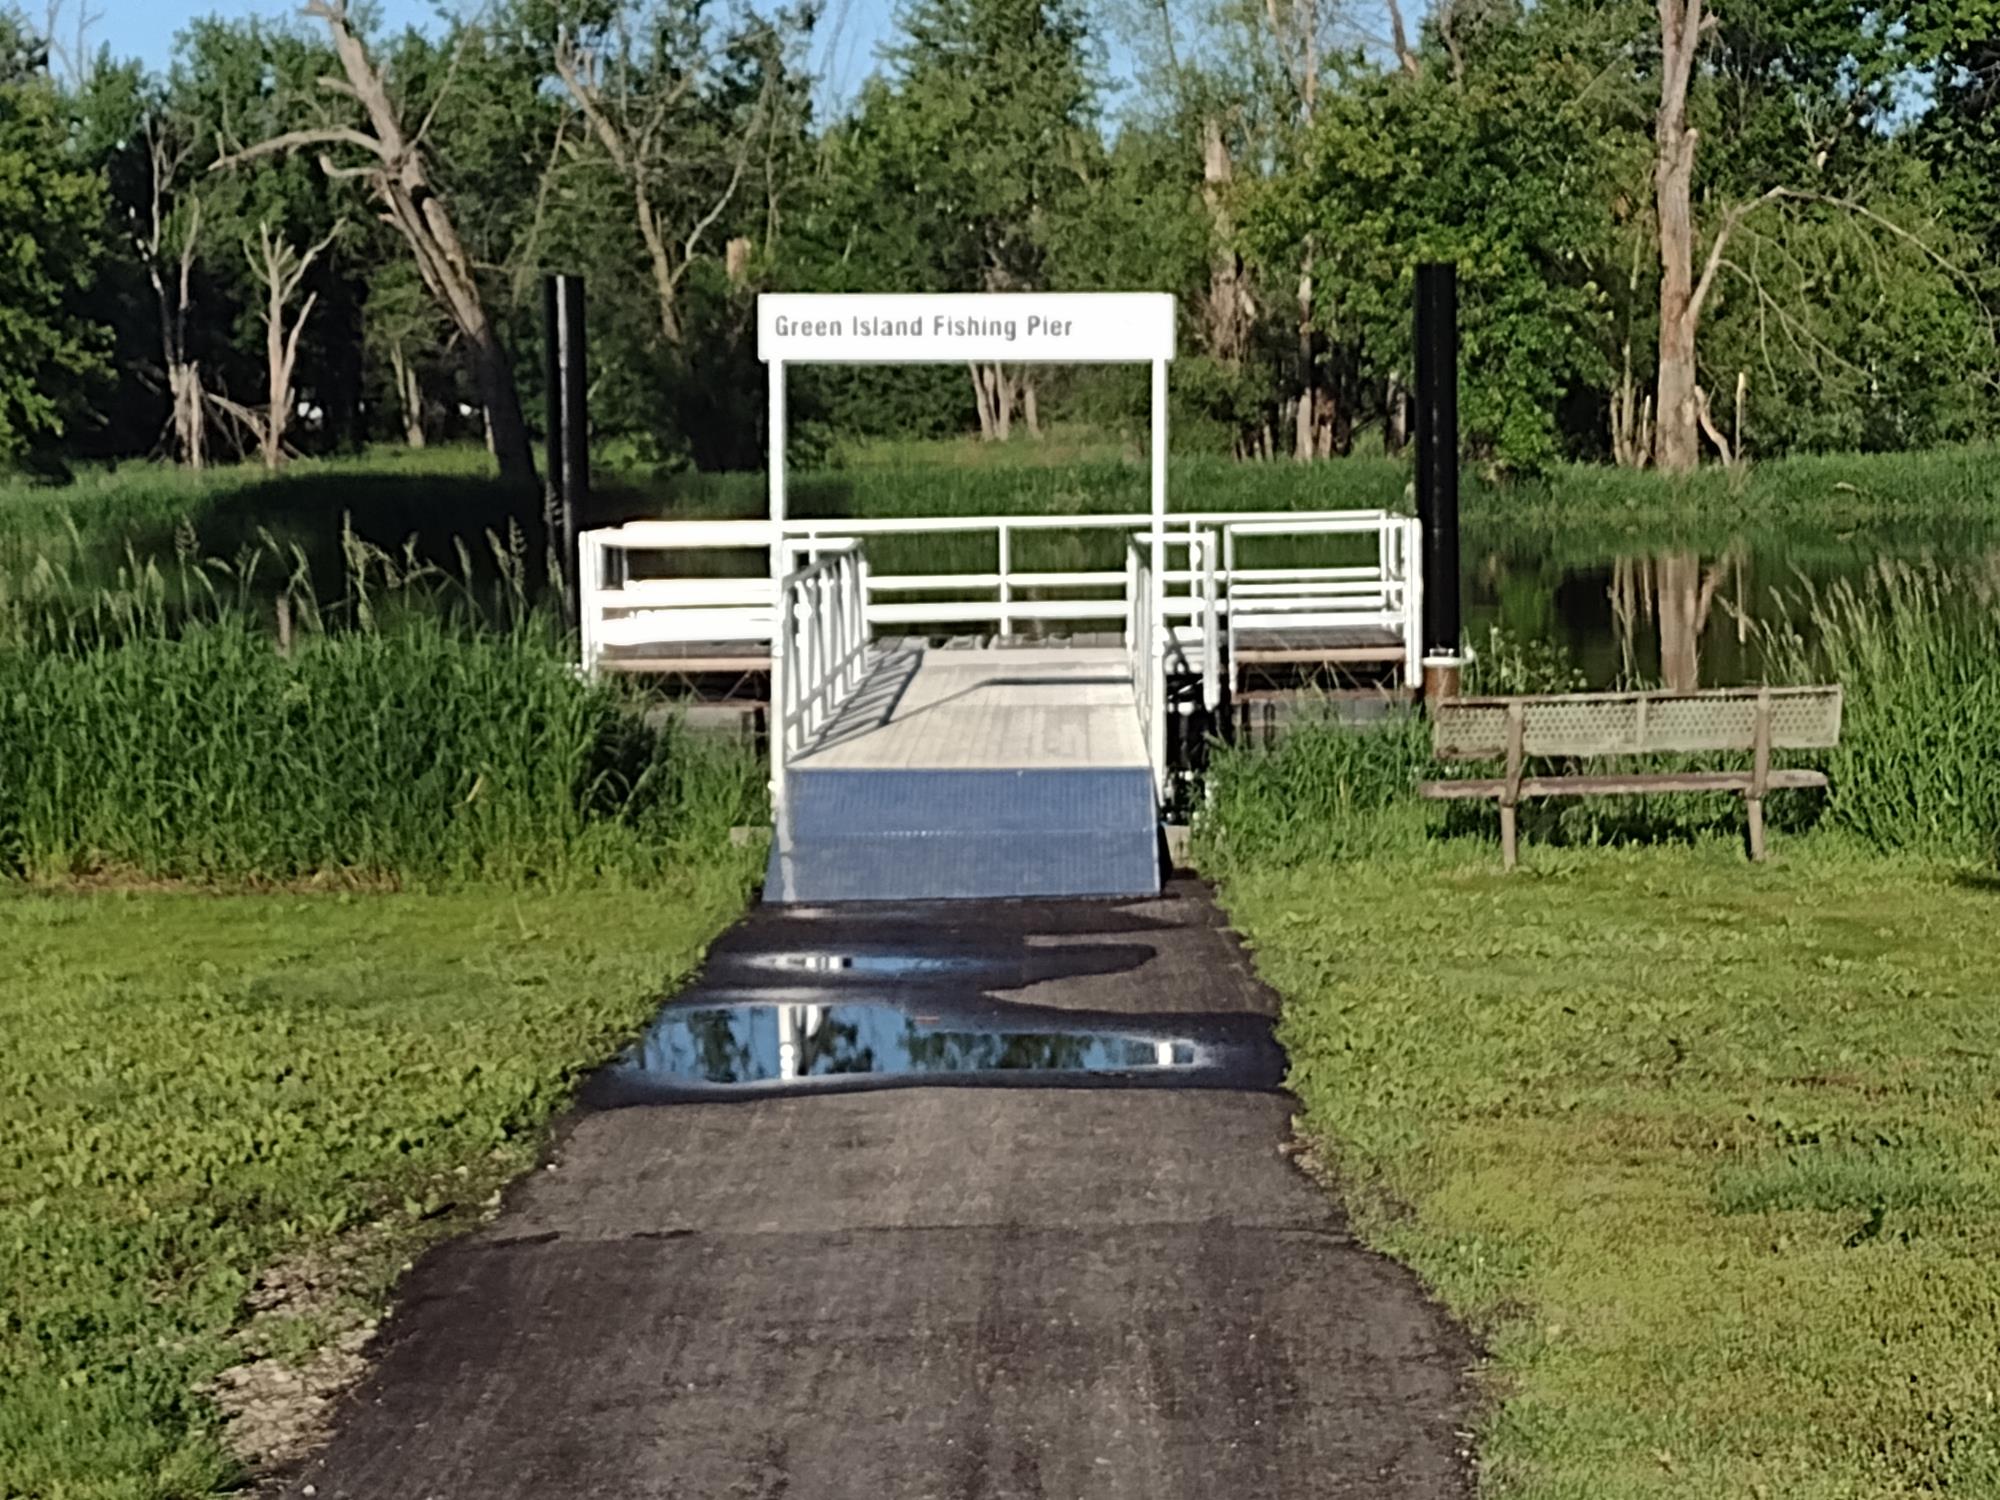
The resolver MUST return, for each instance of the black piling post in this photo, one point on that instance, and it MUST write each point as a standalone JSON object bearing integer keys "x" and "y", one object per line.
{"x": 569, "y": 418}
{"x": 1437, "y": 473}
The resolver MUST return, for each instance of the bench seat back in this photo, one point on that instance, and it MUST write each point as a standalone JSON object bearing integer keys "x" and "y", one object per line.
{"x": 1582, "y": 724}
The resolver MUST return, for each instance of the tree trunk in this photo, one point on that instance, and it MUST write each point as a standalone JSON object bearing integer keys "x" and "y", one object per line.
{"x": 190, "y": 411}
{"x": 409, "y": 395}
{"x": 1030, "y": 408}
{"x": 1676, "y": 416}
{"x": 1228, "y": 299}
{"x": 1306, "y": 415}
{"x": 277, "y": 405}
{"x": 1003, "y": 403}
{"x": 984, "y": 398}
{"x": 1395, "y": 415}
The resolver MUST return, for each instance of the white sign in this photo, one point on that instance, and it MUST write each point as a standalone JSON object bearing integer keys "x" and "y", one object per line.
{"x": 953, "y": 327}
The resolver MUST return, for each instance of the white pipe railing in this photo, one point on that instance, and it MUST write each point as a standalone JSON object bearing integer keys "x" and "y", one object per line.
{"x": 740, "y": 611}
{"x": 1387, "y": 596}
{"x": 820, "y": 655}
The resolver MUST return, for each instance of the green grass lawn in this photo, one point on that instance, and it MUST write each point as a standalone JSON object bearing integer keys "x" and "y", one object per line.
{"x": 200, "y": 1087}
{"x": 1709, "y": 1154}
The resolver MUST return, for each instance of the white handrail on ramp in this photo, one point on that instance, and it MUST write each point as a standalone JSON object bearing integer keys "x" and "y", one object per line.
{"x": 1145, "y": 655}
{"x": 819, "y": 656}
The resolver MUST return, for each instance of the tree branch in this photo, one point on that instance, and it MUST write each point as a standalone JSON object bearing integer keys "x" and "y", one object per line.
{"x": 298, "y": 140}
{"x": 1727, "y": 227}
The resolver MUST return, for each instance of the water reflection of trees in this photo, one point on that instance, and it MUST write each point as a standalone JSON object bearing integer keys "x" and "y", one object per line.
{"x": 1676, "y": 591}
{"x": 986, "y": 1051}
{"x": 716, "y": 1046}
{"x": 834, "y": 1047}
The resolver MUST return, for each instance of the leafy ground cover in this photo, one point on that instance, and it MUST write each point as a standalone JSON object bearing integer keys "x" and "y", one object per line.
{"x": 1709, "y": 1154}
{"x": 200, "y": 1088}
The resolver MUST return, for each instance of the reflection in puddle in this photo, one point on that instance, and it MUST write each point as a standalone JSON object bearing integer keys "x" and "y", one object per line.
{"x": 869, "y": 965}
{"x": 710, "y": 1049}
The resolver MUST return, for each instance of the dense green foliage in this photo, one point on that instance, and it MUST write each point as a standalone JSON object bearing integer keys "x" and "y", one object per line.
{"x": 1281, "y": 182}
{"x": 51, "y": 209}
{"x": 1705, "y": 1152}
{"x": 202, "y": 1092}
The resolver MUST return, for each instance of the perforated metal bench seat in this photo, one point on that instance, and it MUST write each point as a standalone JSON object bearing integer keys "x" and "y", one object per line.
{"x": 1576, "y": 726}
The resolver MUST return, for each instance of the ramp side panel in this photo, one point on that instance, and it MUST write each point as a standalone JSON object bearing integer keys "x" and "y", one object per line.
{"x": 837, "y": 804}
{"x": 916, "y": 835}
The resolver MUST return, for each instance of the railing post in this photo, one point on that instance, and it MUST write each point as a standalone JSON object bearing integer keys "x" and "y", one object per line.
{"x": 780, "y": 725}
{"x": 1006, "y": 586}
{"x": 1413, "y": 605}
{"x": 1211, "y": 684}
{"x": 589, "y": 600}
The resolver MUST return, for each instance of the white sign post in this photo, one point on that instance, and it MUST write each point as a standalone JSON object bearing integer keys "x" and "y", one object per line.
{"x": 1079, "y": 328}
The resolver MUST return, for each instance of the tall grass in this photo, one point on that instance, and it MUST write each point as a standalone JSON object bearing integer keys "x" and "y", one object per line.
{"x": 1918, "y": 652}
{"x": 1326, "y": 790}
{"x": 402, "y": 733}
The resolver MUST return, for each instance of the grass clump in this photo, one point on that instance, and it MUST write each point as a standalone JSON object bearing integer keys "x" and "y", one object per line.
{"x": 1709, "y": 1155}
{"x": 202, "y": 1088}
{"x": 1328, "y": 789}
{"x": 1918, "y": 652}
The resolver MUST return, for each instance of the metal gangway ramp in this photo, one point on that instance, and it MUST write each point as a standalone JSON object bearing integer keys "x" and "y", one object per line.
{"x": 1005, "y": 760}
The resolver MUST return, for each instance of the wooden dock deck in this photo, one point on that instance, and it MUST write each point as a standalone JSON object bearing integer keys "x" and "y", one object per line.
{"x": 986, "y": 708}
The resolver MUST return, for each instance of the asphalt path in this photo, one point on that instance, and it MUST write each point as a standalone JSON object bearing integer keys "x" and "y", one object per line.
{"x": 924, "y": 1291}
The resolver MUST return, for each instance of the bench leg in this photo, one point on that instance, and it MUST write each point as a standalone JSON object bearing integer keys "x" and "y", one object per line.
{"x": 1755, "y": 806}
{"x": 1509, "y": 844}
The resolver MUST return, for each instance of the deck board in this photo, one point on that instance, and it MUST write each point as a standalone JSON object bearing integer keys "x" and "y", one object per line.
{"x": 987, "y": 709}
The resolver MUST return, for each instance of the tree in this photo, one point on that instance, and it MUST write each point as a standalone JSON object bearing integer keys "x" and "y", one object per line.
{"x": 51, "y": 215}
{"x": 282, "y": 268}
{"x": 1799, "y": 100}
{"x": 1507, "y": 165}
{"x": 985, "y": 124}
{"x": 393, "y": 162}
{"x": 680, "y": 126}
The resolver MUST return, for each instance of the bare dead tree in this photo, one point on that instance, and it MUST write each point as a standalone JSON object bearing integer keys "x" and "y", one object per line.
{"x": 282, "y": 269}
{"x": 409, "y": 395}
{"x": 67, "y": 38}
{"x": 634, "y": 121}
{"x": 168, "y": 245}
{"x": 1677, "y": 406}
{"x": 1399, "y": 39}
{"x": 397, "y": 172}
{"x": 1231, "y": 308}
{"x": 1677, "y": 441}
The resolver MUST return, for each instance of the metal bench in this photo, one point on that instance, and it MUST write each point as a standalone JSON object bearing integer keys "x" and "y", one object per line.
{"x": 1580, "y": 725}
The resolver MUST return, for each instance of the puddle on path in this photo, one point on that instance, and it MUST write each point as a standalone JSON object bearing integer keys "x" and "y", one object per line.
{"x": 697, "y": 1050}
{"x": 864, "y": 965}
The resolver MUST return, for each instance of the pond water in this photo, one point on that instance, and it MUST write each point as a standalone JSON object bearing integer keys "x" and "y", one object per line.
{"x": 1685, "y": 617}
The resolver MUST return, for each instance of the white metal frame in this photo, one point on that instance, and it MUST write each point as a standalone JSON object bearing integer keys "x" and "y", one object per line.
{"x": 953, "y": 328}
{"x": 1387, "y": 596}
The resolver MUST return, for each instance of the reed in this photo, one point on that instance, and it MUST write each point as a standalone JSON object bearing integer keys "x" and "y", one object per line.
{"x": 413, "y": 730}
{"x": 1326, "y": 790}
{"x": 1918, "y": 651}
